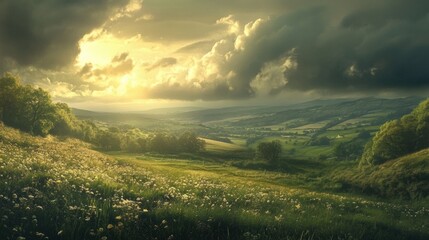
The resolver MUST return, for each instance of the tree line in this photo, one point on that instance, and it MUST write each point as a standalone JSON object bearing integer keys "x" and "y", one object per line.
{"x": 136, "y": 141}
{"x": 32, "y": 110}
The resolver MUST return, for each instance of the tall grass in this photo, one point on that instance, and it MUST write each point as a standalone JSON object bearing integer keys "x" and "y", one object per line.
{"x": 63, "y": 190}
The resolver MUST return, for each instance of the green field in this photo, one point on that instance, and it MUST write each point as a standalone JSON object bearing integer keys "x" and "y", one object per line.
{"x": 216, "y": 146}
{"x": 63, "y": 190}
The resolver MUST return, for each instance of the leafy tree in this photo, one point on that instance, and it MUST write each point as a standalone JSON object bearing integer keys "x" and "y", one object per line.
{"x": 87, "y": 131}
{"x": 364, "y": 134}
{"x": 189, "y": 142}
{"x": 24, "y": 107}
{"x": 270, "y": 151}
{"x": 66, "y": 123}
{"x": 162, "y": 143}
{"x": 321, "y": 141}
{"x": 39, "y": 110}
{"x": 133, "y": 140}
{"x": 399, "y": 137}
{"x": 8, "y": 98}
{"x": 143, "y": 144}
{"x": 349, "y": 150}
{"x": 109, "y": 141}
{"x": 421, "y": 114}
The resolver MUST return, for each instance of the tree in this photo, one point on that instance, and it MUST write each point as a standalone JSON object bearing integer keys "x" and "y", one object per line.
{"x": 163, "y": 143}
{"x": 24, "y": 107}
{"x": 399, "y": 137}
{"x": 65, "y": 123}
{"x": 421, "y": 114}
{"x": 39, "y": 110}
{"x": 270, "y": 151}
{"x": 351, "y": 150}
{"x": 189, "y": 142}
{"x": 365, "y": 134}
{"x": 109, "y": 141}
{"x": 8, "y": 98}
{"x": 322, "y": 141}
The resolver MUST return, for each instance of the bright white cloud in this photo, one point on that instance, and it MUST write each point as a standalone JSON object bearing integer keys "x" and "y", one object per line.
{"x": 272, "y": 76}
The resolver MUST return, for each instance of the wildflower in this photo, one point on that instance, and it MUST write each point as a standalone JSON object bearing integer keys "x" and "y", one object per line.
{"x": 110, "y": 226}
{"x": 39, "y": 234}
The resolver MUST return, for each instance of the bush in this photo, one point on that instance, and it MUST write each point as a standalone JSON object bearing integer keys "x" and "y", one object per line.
{"x": 269, "y": 151}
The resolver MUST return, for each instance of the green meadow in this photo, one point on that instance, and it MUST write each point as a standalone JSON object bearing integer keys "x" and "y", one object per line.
{"x": 52, "y": 189}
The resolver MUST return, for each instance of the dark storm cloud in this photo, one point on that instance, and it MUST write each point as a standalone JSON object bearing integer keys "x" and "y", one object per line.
{"x": 335, "y": 48}
{"x": 375, "y": 47}
{"x": 45, "y": 33}
{"x": 207, "y": 91}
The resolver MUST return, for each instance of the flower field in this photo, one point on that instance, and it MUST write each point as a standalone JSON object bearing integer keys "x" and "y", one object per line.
{"x": 51, "y": 189}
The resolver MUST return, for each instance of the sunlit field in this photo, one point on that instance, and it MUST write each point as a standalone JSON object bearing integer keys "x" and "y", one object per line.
{"x": 62, "y": 190}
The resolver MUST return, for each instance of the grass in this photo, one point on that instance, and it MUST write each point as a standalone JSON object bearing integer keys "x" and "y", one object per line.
{"x": 405, "y": 177}
{"x": 63, "y": 190}
{"x": 317, "y": 125}
{"x": 217, "y": 146}
{"x": 297, "y": 148}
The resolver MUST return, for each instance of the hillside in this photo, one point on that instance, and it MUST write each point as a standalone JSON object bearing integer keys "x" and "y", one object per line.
{"x": 63, "y": 190}
{"x": 405, "y": 177}
{"x": 51, "y": 188}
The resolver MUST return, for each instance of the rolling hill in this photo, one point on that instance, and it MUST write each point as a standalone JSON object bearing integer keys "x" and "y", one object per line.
{"x": 64, "y": 190}
{"x": 405, "y": 177}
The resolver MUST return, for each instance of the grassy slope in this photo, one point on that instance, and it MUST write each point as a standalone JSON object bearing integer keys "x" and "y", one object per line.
{"x": 63, "y": 190}
{"x": 406, "y": 177}
{"x": 213, "y": 145}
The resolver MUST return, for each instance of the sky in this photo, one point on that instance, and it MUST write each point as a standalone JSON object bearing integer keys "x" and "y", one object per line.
{"x": 142, "y": 54}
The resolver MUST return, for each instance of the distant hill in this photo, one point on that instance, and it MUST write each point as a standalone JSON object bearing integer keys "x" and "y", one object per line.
{"x": 237, "y": 112}
{"x": 339, "y": 111}
{"x": 312, "y": 111}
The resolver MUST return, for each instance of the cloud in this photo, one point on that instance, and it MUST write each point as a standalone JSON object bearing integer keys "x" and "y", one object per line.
{"x": 197, "y": 47}
{"x": 237, "y": 50}
{"x": 370, "y": 47}
{"x": 164, "y": 21}
{"x": 271, "y": 79}
{"x": 162, "y": 63}
{"x": 106, "y": 76}
{"x": 45, "y": 33}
